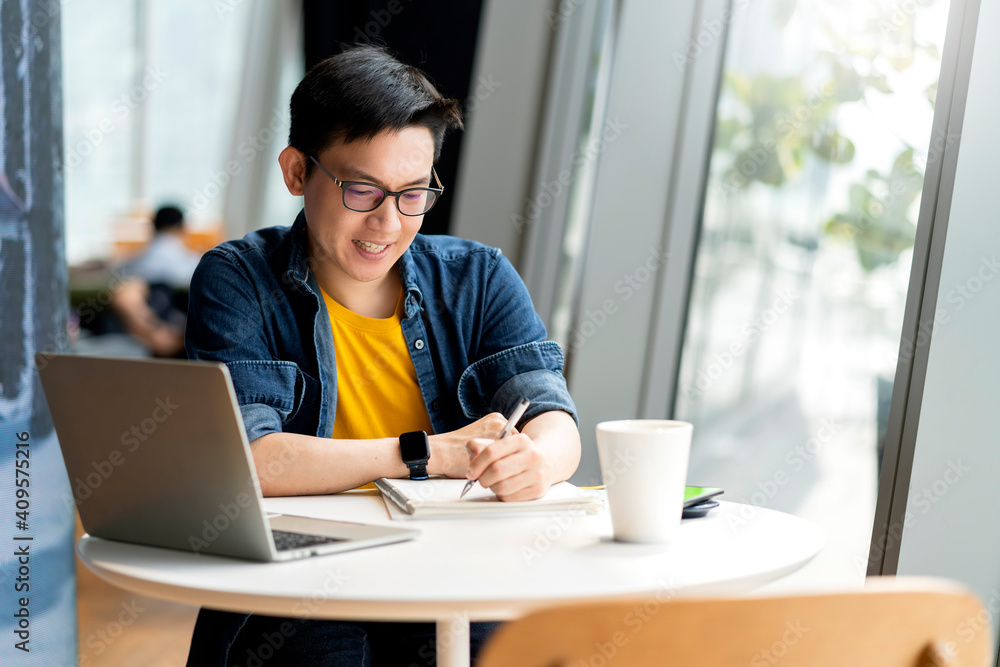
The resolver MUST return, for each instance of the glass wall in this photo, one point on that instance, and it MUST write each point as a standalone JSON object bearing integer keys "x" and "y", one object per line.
{"x": 151, "y": 92}
{"x": 99, "y": 62}
{"x": 821, "y": 140}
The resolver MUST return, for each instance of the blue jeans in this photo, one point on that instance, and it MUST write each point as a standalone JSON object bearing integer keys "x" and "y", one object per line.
{"x": 223, "y": 639}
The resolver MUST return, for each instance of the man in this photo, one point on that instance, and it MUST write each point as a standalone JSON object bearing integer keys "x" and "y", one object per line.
{"x": 150, "y": 304}
{"x": 349, "y": 330}
{"x": 166, "y": 259}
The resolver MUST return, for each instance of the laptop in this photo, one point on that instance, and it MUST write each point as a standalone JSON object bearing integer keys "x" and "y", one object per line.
{"x": 157, "y": 454}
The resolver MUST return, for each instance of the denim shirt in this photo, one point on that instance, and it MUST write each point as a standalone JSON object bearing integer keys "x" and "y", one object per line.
{"x": 475, "y": 340}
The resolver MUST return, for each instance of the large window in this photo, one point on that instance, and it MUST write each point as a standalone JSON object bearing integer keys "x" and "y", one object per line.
{"x": 152, "y": 91}
{"x": 822, "y": 129}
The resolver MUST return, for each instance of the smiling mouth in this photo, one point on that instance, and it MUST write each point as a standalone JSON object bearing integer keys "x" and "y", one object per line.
{"x": 373, "y": 248}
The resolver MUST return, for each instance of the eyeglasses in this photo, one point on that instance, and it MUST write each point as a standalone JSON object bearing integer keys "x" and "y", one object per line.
{"x": 363, "y": 197}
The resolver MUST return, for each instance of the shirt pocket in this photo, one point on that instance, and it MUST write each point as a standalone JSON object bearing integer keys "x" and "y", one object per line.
{"x": 280, "y": 385}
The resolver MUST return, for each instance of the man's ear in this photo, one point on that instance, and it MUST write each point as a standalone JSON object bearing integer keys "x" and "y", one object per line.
{"x": 293, "y": 169}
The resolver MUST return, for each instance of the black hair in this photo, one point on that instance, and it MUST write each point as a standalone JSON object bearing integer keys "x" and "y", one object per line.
{"x": 362, "y": 92}
{"x": 168, "y": 217}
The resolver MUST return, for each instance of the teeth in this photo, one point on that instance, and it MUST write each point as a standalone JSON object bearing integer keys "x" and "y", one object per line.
{"x": 370, "y": 247}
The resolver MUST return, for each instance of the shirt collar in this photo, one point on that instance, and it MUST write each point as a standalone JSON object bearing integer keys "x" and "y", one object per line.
{"x": 408, "y": 275}
{"x": 297, "y": 271}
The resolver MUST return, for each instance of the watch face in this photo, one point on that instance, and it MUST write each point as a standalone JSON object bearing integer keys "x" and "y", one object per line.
{"x": 413, "y": 447}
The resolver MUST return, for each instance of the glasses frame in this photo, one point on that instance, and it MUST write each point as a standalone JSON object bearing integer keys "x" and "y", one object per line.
{"x": 438, "y": 191}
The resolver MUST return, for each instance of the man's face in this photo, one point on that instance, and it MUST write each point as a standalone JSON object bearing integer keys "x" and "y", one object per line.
{"x": 363, "y": 247}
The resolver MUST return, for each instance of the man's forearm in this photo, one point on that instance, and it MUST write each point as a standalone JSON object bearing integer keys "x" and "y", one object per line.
{"x": 289, "y": 464}
{"x": 556, "y": 434}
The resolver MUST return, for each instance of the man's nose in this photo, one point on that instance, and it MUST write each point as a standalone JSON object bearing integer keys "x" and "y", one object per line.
{"x": 387, "y": 216}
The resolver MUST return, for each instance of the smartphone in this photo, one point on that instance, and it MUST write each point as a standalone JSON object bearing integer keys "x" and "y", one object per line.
{"x": 699, "y": 510}
{"x": 694, "y": 495}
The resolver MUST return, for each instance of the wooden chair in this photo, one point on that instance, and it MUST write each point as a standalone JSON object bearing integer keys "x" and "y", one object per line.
{"x": 893, "y": 622}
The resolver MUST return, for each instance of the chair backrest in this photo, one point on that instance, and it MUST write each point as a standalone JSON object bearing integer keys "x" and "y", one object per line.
{"x": 893, "y": 622}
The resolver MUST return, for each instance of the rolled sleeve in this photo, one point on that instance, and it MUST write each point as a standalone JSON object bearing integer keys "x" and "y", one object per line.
{"x": 259, "y": 420}
{"x": 269, "y": 394}
{"x": 497, "y": 382}
{"x": 223, "y": 300}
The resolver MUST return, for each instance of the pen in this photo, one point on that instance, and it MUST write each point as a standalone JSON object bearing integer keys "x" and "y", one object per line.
{"x": 514, "y": 417}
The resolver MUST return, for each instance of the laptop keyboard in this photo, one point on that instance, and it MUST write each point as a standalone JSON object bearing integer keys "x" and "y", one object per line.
{"x": 286, "y": 541}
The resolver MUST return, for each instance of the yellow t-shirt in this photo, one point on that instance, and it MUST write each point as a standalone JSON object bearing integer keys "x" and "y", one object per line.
{"x": 378, "y": 395}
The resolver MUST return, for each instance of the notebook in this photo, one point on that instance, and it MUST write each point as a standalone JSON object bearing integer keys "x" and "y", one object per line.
{"x": 439, "y": 497}
{"x": 157, "y": 454}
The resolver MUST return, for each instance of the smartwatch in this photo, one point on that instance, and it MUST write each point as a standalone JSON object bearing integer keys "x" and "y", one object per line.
{"x": 416, "y": 451}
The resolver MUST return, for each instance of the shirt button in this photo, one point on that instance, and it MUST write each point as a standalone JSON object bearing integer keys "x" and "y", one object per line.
{"x": 435, "y": 405}
{"x": 419, "y": 344}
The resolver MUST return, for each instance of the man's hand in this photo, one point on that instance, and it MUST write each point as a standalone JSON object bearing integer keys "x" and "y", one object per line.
{"x": 449, "y": 455}
{"x": 514, "y": 468}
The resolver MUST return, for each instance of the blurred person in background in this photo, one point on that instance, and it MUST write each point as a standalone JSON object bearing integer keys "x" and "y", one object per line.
{"x": 152, "y": 302}
{"x": 166, "y": 260}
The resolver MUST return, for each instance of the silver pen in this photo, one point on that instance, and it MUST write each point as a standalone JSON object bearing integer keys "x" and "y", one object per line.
{"x": 514, "y": 418}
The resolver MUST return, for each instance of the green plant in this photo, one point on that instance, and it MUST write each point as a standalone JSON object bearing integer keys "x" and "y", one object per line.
{"x": 771, "y": 127}
{"x": 878, "y": 218}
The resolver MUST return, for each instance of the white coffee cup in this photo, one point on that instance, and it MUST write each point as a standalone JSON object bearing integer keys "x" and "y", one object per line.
{"x": 644, "y": 463}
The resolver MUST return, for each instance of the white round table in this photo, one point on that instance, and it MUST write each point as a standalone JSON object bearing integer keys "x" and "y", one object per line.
{"x": 465, "y": 570}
